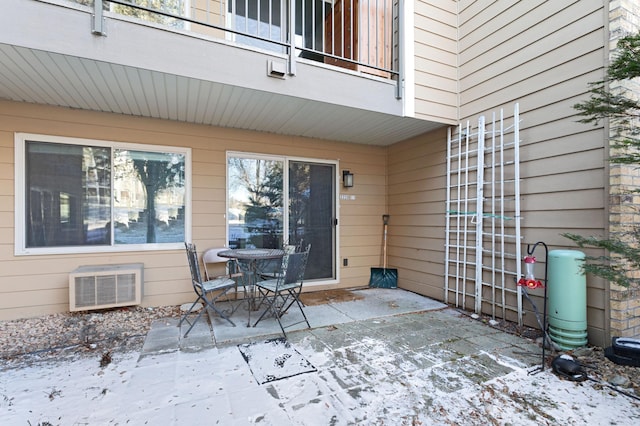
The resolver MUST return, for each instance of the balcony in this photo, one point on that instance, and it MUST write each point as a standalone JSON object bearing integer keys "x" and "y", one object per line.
{"x": 325, "y": 69}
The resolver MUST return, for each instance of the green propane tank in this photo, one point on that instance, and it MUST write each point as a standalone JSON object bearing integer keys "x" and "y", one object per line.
{"x": 567, "y": 303}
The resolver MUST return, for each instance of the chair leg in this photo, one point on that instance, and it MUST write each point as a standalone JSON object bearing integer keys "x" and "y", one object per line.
{"x": 278, "y": 312}
{"x": 184, "y": 317}
{"x": 283, "y": 310}
{"x": 270, "y": 300}
{"x": 206, "y": 303}
{"x": 211, "y": 304}
{"x": 194, "y": 321}
{"x": 300, "y": 305}
{"x": 294, "y": 296}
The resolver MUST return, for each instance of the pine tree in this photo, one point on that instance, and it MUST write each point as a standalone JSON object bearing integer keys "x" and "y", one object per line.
{"x": 609, "y": 100}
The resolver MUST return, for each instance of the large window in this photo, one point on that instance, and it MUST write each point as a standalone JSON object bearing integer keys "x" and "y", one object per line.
{"x": 83, "y": 195}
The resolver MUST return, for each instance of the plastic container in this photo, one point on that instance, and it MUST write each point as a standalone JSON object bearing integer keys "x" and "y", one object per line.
{"x": 567, "y": 299}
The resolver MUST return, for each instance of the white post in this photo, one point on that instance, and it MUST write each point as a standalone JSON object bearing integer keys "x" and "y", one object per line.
{"x": 99, "y": 27}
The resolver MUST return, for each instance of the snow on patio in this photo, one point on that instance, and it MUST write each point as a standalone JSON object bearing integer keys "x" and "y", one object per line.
{"x": 365, "y": 382}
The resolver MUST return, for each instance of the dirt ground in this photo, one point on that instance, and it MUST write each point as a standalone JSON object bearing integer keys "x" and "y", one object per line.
{"x": 329, "y": 296}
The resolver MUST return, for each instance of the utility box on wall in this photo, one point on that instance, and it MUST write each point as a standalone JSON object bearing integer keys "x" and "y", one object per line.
{"x": 105, "y": 286}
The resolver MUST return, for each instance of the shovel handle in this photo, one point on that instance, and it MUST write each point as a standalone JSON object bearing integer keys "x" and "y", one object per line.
{"x": 384, "y": 246}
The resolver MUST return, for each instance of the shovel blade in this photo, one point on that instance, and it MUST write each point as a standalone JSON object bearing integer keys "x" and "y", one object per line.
{"x": 383, "y": 278}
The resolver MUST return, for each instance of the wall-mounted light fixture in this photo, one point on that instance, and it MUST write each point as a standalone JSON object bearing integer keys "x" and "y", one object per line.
{"x": 347, "y": 179}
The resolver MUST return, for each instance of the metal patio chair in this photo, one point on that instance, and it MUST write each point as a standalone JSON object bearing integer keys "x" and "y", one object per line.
{"x": 229, "y": 267}
{"x": 208, "y": 292}
{"x": 270, "y": 269}
{"x": 283, "y": 292}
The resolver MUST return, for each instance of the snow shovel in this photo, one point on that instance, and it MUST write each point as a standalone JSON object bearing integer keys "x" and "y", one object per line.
{"x": 384, "y": 277}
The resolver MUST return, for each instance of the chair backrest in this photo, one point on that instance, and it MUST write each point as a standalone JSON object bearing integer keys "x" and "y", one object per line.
{"x": 288, "y": 249}
{"x": 294, "y": 265}
{"x": 194, "y": 265}
{"x": 291, "y": 246}
{"x": 210, "y": 257}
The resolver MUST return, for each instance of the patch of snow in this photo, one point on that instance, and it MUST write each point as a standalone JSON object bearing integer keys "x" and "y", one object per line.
{"x": 364, "y": 383}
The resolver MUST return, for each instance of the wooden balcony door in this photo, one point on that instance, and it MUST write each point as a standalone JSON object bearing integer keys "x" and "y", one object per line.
{"x": 360, "y": 30}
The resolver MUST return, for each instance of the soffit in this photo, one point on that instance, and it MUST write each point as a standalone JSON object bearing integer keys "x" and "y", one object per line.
{"x": 40, "y": 77}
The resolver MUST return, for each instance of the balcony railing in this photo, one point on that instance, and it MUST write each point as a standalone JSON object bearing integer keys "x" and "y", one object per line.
{"x": 360, "y": 35}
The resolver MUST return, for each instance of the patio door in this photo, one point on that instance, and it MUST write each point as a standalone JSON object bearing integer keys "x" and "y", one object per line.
{"x": 312, "y": 214}
{"x": 272, "y": 200}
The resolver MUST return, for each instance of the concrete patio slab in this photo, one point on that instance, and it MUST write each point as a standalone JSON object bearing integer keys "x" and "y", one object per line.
{"x": 408, "y": 362}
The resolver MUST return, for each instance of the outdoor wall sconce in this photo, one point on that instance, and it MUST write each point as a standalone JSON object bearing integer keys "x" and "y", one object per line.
{"x": 347, "y": 179}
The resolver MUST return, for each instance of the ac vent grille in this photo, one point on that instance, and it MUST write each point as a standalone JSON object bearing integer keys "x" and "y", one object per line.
{"x": 105, "y": 286}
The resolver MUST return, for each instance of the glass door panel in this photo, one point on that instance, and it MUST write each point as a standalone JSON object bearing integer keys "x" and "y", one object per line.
{"x": 312, "y": 214}
{"x": 258, "y": 190}
{"x": 255, "y": 213}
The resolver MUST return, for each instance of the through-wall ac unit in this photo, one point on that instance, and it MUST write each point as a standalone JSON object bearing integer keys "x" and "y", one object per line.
{"x": 105, "y": 286}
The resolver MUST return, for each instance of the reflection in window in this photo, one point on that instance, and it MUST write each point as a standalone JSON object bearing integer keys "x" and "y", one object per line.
{"x": 78, "y": 195}
{"x": 149, "y": 197}
{"x": 65, "y": 209}
{"x": 273, "y": 201}
{"x": 68, "y": 195}
{"x": 174, "y": 7}
{"x": 255, "y": 203}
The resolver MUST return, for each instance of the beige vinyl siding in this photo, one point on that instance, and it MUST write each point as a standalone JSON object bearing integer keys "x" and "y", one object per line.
{"x": 524, "y": 49}
{"x": 416, "y": 207}
{"x": 435, "y": 44}
{"x": 35, "y": 285}
{"x": 543, "y": 55}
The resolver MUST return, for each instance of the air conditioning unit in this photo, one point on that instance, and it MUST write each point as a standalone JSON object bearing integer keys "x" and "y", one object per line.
{"x": 105, "y": 286}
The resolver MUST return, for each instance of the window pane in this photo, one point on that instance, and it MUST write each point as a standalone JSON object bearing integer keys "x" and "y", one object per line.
{"x": 258, "y": 18}
{"x": 149, "y": 197}
{"x": 255, "y": 203}
{"x": 68, "y": 196}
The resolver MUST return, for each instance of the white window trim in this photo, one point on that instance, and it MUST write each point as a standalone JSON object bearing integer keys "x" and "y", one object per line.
{"x": 20, "y": 248}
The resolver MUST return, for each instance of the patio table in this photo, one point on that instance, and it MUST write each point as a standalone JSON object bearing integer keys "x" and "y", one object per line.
{"x": 249, "y": 260}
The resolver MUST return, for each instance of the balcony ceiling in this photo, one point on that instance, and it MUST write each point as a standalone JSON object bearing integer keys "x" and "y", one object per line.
{"x": 41, "y": 77}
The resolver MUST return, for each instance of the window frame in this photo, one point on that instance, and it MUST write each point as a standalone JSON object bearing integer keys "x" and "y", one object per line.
{"x": 20, "y": 248}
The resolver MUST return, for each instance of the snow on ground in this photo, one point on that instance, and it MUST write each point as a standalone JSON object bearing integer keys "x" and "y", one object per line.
{"x": 61, "y": 392}
{"x": 216, "y": 387}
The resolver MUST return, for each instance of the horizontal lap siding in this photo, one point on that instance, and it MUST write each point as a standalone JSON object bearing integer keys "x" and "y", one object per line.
{"x": 416, "y": 205}
{"x": 435, "y": 44}
{"x": 543, "y": 55}
{"x": 35, "y": 285}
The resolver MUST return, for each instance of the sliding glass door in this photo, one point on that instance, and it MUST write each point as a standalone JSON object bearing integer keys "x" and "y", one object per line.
{"x": 258, "y": 191}
{"x": 312, "y": 214}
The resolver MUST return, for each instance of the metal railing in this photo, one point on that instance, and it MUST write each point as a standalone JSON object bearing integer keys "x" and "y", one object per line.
{"x": 360, "y": 35}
